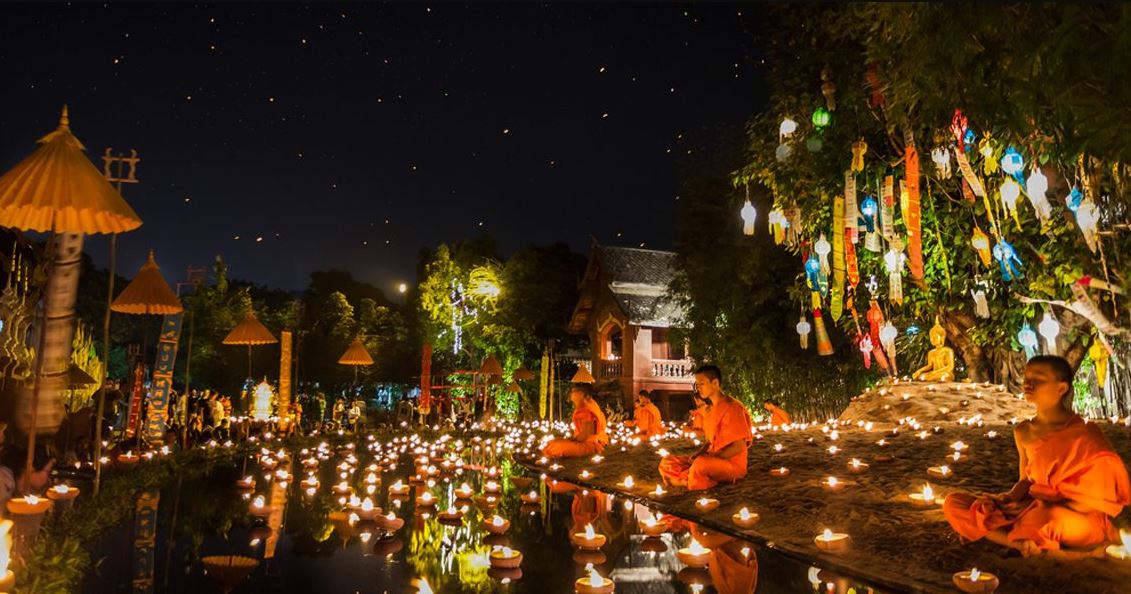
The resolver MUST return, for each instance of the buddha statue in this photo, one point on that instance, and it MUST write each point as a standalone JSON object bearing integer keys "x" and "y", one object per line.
{"x": 940, "y": 360}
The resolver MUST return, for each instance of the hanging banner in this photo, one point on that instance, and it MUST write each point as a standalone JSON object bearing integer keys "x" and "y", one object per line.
{"x": 543, "y": 387}
{"x": 156, "y": 414}
{"x": 836, "y": 298}
{"x": 914, "y": 218}
{"x": 145, "y": 539}
{"x": 133, "y": 417}
{"x": 887, "y": 208}
{"x": 286, "y": 340}
{"x": 851, "y": 210}
{"x": 969, "y": 175}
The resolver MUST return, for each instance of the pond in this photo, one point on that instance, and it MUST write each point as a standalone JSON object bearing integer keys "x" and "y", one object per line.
{"x": 290, "y": 529}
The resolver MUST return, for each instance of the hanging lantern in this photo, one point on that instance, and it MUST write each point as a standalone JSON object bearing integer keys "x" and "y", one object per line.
{"x": 866, "y": 346}
{"x": 989, "y": 162}
{"x": 868, "y": 209}
{"x": 888, "y": 334}
{"x": 858, "y": 149}
{"x": 748, "y": 215}
{"x": 1086, "y": 218}
{"x": 783, "y": 151}
{"x": 1074, "y": 199}
{"x": 778, "y": 224}
{"x": 1050, "y": 329}
{"x": 803, "y": 329}
{"x": 824, "y": 345}
{"x": 821, "y": 118}
{"x": 981, "y": 243}
{"x": 1007, "y": 258}
{"x": 1012, "y": 163}
{"x": 875, "y": 317}
{"x": 828, "y": 89}
{"x": 1099, "y": 354}
{"x": 786, "y": 129}
{"x": 981, "y": 303}
{"x": 1037, "y": 187}
{"x": 1010, "y": 192}
{"x": 893, "y": 262}
{"x": 823, "y": 247}
{"x": 818, "y": 281}
{"x": 1028, "y": 340}
{"x": 941, "y": 157}
{"x": 814, "y": 144}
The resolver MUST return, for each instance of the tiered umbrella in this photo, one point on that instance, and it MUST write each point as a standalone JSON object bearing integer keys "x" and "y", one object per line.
{"x": 583, "y": 376}
{"x": 58, "y": 190}
{"x": 147, "y": 295}
{"x": 356, "y": 356}
{"x": 523, "y": 374}
{"x": 250, "y": 332}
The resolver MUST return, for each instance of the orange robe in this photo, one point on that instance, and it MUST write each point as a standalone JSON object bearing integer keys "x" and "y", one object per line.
{"x": 727, "y": 422}
{"x": 778, "y": 416}
{"x": 648, "y": 421}
{"x": 589, "y": 412}
{"x": 1076, "y": 463}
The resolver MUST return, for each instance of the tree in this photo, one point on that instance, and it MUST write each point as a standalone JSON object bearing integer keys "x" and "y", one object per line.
{"x": 898, "y": 73}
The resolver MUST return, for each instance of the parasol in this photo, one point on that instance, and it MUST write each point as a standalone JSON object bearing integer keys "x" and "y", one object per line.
{"x": 57, "y": 189}
{"x": 522, "y": 374}
{"x": 583, "y": 376}
{"x": 356, "y": 356}
{"x": 148, "y": 293}
{"x": 251, "y": 333}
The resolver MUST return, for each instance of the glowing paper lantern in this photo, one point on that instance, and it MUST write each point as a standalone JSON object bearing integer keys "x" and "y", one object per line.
{"x": 1037, "y": 187}
{"x": 893, "y": 262}
{"x": 1086, "y": 218}
{"x": 1028, "y": 340}
{"x": 778, "y": 225}
{"x": 981, "y": 243}
{"x": 941, "y": 157}
{"x": 786, "y": 128}
{"x": 823, "y": 247}
{"x": 1010, "y": 192}
{"x": 803, "y": 329}
{"x": 1050, "y": 329}
{"x": 1012, "y": 163}
{"x": 821, "y": 117}
{"x": 981, "y": 304}
{"x": 749, "y": 214}
{"x": 859, "y": 148}
{"x": 868, "y": 209}
{"x": 1008, "y": 260}
{"x": 888, "y": 334}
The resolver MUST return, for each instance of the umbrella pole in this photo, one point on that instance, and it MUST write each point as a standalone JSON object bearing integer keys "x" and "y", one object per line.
{"x": 249, "y": 376}
{"x": 29, "y": 467}
{"x": 105, "y": 365}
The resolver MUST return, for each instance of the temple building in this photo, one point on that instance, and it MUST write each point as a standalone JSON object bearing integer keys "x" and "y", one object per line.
{"x": 627, "y": 311}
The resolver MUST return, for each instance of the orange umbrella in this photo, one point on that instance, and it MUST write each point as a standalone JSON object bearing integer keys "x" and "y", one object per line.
{"x": 522, "y": 374}
{"x": 251, "y": 333}
{"x": 583, "y": 376}
{"x": 58, "y": 189}
{"x": 148, "y": 293}
{"x": 356, "y": 356}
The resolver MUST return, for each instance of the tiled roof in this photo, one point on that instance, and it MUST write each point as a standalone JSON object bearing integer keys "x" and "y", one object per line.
{"x": 637, "y": 266}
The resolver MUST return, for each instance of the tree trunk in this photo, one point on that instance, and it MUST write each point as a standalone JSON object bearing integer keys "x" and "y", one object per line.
{"x": 978, "y": 365}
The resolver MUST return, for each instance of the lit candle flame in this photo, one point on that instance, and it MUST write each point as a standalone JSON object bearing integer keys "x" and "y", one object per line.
{"x": 589, "y": 533}
{"x": 827, "y": 535}
{"x": 497, "y": 520}
{"x": 928, "y": 492}
{"x": 1125, "y": 536}
{"x": 975, "y": 574}
{"x": 855, "y": 463}
{"x": 832, "y": 481}
{"x": 744, "y": 514}
{"x": 595, "y": 578}
{"x": 629, "y": 482}
{"x": 697, "y": 549}
{"x": 31, "y": 500}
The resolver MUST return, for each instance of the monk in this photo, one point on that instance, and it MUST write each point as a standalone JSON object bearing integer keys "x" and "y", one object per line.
{"x": 646, "y": 417}
{"x": 698, "y": 416}
{"x": 1071, "y": 480}
{"x": 778, "y": 416}
{"x": 728, "y": 434}
{"x": 589, "y": 433}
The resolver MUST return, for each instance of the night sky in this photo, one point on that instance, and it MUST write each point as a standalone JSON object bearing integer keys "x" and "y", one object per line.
{"x": 290, "y": 137}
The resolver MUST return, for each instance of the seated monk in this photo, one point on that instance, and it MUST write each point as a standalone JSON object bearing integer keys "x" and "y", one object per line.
{"x": 1072, "y": 481}
{"x": 778, "y": 416}
{"x": 697, "y": 416}
{"x": 589, "y": 434}
{"x": 646, "y": 419}
{"x": 727, "y": 430}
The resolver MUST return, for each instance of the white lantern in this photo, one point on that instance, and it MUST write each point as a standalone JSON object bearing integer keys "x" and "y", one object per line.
{"x": 823, "y": 247}
{"x": 1050, "y": 329}
{"x": 787, "y": 128}
{"x": 749, "y": 214}
{"x": 941, "y": 157}
{"x": 803, "y": 329}
{"x": 1037, "y": 186}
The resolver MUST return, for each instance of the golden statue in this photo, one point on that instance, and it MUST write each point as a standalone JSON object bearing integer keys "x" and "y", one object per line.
{"x": 940, "y": 360}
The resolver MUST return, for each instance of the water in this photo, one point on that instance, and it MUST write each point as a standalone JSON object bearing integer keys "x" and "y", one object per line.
{"x": 306, "y": 547}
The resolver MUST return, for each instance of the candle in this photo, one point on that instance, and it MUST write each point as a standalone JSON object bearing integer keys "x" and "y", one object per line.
{"x": 368, "y": 511}
{"x": 694, "y": 555}
{"x": 491, "y": 487}
{"x": 398, "y": 488}
{"x": 247, "y": 482}
{"x": 505, "y": 558}
{"x": 855, "y": 465}
{"x": 831, "y": 541}
{"x": 451, "y": 515}
{"x": 883, "y": 443}
{"x": 744, "y": 519}
{"x": 940, "y": 472}
{"x": 594, "y": 583}
{"x": 589, "y": 539}
{"x": 1121, "y": 552}
{"x": 464, "y": 491}
{"x": 259, "y": 506}
{"x": 779, "y": 472}
{"x": 627, "y": 483}
{"x": 585, "y": 474}
{"x": 7, "y": 578}
{"x": 833, "y": 484}
{"x": 62, "y": 493}
{"x": 658, "y": 491}
{"x": 975, "y": 582}
{"x": 530, "y": 497}
{"x": 925, "y": 497}
{"x": 706, "y": 504}
{"x": 426, "y": 500}
{"x": 652, "y": 526}
{"x": 497, "y": 525}
{"x": 391, "y": 522}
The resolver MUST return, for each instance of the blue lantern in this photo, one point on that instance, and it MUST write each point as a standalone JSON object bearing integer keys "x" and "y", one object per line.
{"x": 1007, "y": 258}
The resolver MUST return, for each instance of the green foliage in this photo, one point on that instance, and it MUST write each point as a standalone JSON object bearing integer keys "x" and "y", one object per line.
{"x": 1009, "y": 68}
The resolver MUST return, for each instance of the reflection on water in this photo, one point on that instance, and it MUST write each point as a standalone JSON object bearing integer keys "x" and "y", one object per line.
{"x": 330, "y": 520}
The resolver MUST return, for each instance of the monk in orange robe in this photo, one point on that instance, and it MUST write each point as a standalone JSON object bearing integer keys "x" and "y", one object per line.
{"x": 698, "y": 417}
{"x": 589, "y": 432}
{"x": 728, "y": 433}
{"x": 1072, "y": 482}
{"x": 647, "y": 419}
{"x": 778, "y": 416}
